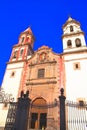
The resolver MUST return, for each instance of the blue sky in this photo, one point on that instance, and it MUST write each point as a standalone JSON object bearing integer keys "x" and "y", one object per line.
{"x": 45, "y": 17}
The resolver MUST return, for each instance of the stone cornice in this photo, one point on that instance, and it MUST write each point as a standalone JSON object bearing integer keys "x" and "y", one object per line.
{"x": 41, "y": 78}
{"x": 74, "y": 59}
{"x": 12, "y": 62}
{"x": 72, "y": 34}
{"x": 41, "y": 83}
{"x": 18, "y": 45}
{"x": 74, "y": 52}
{"x": 72, "y": 21}
{"x": 44, "y": 62}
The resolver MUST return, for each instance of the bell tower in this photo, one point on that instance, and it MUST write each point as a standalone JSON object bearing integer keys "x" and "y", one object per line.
{"x": 73, "y": 36}
{"x": 16, "y": 67}
{"x": 75, "y": 60}
{"x": 24, "y": 48}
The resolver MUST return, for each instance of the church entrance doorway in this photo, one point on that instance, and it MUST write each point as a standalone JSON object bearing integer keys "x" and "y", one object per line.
{"x": 38, "y": 114}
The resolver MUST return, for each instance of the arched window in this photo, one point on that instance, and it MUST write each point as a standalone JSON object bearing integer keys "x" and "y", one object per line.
{"x": 21, "y": 40}
{"x": 69, "y": 44}
{"x": 15, "y": 54}
{"x": 78, "y": 42}
{"x": 21, "y": 52}
{"x": 71, "y": 28}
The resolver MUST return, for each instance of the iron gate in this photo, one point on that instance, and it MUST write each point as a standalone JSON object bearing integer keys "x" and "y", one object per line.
{"x": 73, "y": 115}
{"x": 11, "y": 116}
{"x": 76, "y": 116}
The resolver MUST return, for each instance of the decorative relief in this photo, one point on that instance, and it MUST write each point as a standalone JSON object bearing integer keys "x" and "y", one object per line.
{"x": 42, "y": 56}
{"x": 42, "y": 60}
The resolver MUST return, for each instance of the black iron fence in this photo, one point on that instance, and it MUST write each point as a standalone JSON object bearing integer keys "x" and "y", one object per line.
{"x": 11, "y": 116}
{"x": 76, "y": 115}
{"x": 73, "y": 116}
{"x": 18, "y": 113}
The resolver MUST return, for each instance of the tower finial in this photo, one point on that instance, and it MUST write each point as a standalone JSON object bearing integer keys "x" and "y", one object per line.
{"x": 69, "y": 18}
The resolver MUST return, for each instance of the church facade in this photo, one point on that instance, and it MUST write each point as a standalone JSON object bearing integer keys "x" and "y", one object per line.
{"x": 44, "y": 73}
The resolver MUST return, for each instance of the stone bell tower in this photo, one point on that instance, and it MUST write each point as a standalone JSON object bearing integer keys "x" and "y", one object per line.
{"x": 16, "y": 67}
{"x": 73, "y": 37}
{"x": 75, "y": 59}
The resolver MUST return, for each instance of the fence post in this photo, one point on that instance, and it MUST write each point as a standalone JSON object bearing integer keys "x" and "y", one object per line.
{"x": 62, "y": 110}
{"x": 22, "y": 112}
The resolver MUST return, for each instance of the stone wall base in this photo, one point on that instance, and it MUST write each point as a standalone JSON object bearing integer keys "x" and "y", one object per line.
{"x": 50, "y": 124}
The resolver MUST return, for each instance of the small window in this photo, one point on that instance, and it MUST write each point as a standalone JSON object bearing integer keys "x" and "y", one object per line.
{"x": 71, "y": 28}
{"x": 69, "y": 44}
{"x": 41, "y": 73}
{"x": 21, "y": 52}
{"x": 81, "y": 103}
{"x": 77, "y": 66}
{"x": 12, "y": 74}
{"x": 22, "y": 39}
